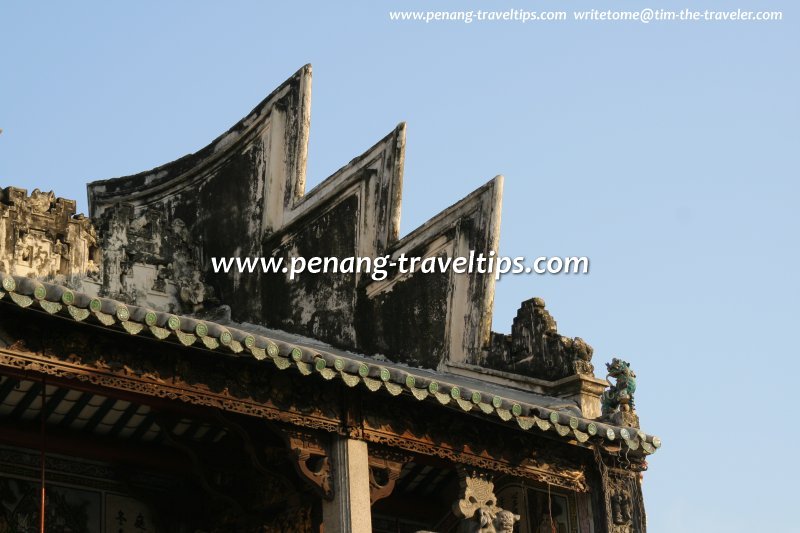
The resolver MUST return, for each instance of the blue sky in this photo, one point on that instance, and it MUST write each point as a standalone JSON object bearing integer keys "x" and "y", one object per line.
{"x": 667, "y": 153}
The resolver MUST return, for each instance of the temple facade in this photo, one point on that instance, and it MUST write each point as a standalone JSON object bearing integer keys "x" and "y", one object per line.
{"x": 141, "y": 389}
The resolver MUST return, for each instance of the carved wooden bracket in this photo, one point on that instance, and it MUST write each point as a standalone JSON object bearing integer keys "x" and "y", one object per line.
{"x": 384, "y": 471}
{"x": 311, "y": 460}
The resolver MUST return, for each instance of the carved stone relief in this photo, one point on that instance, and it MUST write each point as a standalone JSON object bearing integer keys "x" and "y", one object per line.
{"x": 535, "y": 348}
{"x": 477, "y": 505}
{"x": 40, "y": 236}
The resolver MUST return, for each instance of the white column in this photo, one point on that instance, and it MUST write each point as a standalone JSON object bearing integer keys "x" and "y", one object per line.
{"x": 349, "y": 511}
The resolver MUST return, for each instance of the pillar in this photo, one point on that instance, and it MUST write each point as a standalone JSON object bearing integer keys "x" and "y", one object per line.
{"x": 349, "y": 511}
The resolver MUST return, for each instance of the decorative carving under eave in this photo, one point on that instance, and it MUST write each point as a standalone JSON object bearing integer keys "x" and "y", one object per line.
{"x": 617, "y": 401}
{"x": 258, "y": 390}
{"x": 384, "y": 471}
{"x": 311, "y": 460}
{"x": 459, "y": 439}
{"x": 621, "y": 508}
{"x": 477, "y": 506}
{"x": 624, "y": 502}
{"x": 535, "y": 348}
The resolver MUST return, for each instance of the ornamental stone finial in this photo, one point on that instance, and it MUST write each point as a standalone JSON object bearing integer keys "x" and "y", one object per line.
{"x": 617, "y": 400}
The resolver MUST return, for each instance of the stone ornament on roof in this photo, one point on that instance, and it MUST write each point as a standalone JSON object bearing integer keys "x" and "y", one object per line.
{"x": 42, "y": 237}
{"x": 617, "y": 401}
{"x": 535, "y": 348}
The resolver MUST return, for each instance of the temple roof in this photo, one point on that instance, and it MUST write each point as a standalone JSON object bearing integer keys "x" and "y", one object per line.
{"x": 528, "y": 411}
{"x": 142, "y": 264}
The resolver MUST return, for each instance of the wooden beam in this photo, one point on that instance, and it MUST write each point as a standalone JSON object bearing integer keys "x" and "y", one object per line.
{"x": 174, "y": 407}
{"x": 123, "y": 419}
{"x": 53, "y": 401}
{"x": 100, "y": 414}
{"x": 143, "y": 428}
{"x": 95, "y": 447}
{"x": 75, "y": 410}
{"x": 7, "y": 386}
{"x": 26, "y": 400}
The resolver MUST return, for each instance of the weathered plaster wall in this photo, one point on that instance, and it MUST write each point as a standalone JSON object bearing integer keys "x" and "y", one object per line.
{"x": 244, "y": 196}
{"x": 211, "y": 203}
{"x": 319, "y": 306}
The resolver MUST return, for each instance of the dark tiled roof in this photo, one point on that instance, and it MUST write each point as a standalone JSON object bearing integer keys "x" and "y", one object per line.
{"x": 527, "y": 410}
